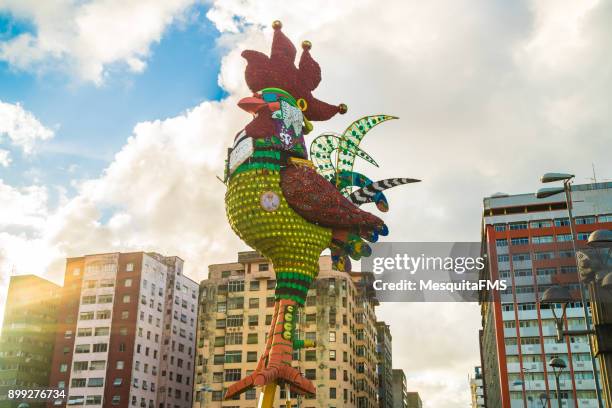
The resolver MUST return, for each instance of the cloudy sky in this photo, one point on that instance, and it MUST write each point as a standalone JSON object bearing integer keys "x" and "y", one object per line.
{"x": 115, "y": 115}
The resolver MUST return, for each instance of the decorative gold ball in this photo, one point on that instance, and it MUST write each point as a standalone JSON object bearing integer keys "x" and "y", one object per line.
{"x": 342, "y": 108}
{"x": 277, "y": 25}
{"x": 306, "y": 45}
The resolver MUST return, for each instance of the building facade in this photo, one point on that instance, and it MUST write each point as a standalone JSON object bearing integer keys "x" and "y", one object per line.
{"x": 477, "y": 389}
{"x": 400, "y": 391}
{"x": 529, "y": 245}
{"x": 236, "y": 307}
{"x": 413, "y": 400}
{"x": 28, "y": 336}
{"x": 126, "y": 332}
{"x": 385, "y": 365}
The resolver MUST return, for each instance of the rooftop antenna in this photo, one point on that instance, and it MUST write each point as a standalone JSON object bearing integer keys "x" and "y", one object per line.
{"x": 594, "y": 176}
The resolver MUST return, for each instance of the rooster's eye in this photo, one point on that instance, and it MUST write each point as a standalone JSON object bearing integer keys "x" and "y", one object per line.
{"x": 301, "y": 104}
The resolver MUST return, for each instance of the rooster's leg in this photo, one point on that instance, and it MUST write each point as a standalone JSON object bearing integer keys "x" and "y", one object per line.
{"x": 275, "y": 363}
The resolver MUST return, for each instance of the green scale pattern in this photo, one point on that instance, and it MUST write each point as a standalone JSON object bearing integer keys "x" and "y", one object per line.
{"x": 292, "y": 244}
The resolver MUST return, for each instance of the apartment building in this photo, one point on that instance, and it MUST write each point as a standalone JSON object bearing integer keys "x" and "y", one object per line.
{"x": 236, "y": 307}
{"x": 413, "y": 400}
{"x": 385, "y": 365}
{"x": 400, "y": 390}
{"x": 477, "y": 389}
{"x": 126, "y": 332}
{"x": 28, "y": 336}
{"x": 528, "y": 243}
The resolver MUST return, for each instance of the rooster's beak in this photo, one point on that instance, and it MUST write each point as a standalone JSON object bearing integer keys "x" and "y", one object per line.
{"x": 252, "y": 104}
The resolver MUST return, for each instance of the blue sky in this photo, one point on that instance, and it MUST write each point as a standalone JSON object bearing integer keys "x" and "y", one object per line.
{"x": 92, "y": 122}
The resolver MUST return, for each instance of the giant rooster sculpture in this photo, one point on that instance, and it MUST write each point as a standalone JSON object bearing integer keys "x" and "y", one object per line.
{"x": 289, "y": 208}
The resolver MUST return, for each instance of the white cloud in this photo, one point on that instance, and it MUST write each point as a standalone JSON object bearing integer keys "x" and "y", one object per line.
{"x": 482, "y": 109}
{"x": 21, "y": 128}
{"x": 88, "y": 37}
{"x": 5, "y": 158}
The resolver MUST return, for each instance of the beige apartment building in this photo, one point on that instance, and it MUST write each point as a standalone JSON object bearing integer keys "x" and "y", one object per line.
{"x": 236, "y": 307}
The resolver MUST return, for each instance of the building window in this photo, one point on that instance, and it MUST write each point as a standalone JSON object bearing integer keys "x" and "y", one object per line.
{"x": 521, "y": 257}
{"x": 233, "y": 338}
{"x": 501, "y": 242}
{"x": 88, "y": 300}
{"x": 332, "y": 355}
{"x": 585, "y": 220}
{"x": 81, "y": 348}
{"x": 84, "y": 332}
{"x": 251, "y": 394}
{"x": 310, "y": 355}
{"x": 254, "y": 285}
{"x": 254, "y": 303}
{"x": 103, "y": 314}
{"x": 86, "y": 316}
{"x": 116, "y": 400}
{"x": 539, "y": 256}
{"x": 126, "y": 299}
{"x": 97, "y": 365}
{"x": 517, "y": 226}
{"x": 118, "y": 381}
{"x": 332, "y": 336}
{"x": 271, "y": 284}
{"x": 540, "y": 224}
{"x": 127, "y": 282}
{"x": 235, "y": 286}
{"x": 100, "y": 348}
{"x": 253, "y": 320}
{"x": 129, "y": 267}
{"x": 332, "y": 393}
{"x": 332, "y": 373}
{"x": 233, "y": 356}
{"x": 93, "y": 400}
{"x": 95, "y": 382}
{"x": 235, "y": 321}
{"x": 105, "y": 299}
{"x": 120, "y": 365}
{"x": 80, "y": 365}
{"x": 251, "y": 356}
{"x": 102, "y": 331}
{"x": 310, "y": 373}
{"x": 78, "y": 382}
{"x": 235, "y": 303}
{"x": 543, "y": 239}
{"x": 68, "y": 334}
{"x": 263, "y": 267}
{"x": 252, "y": 338}
{"x": 232, "y": 374}
{"x": 63, "y": 368}
{"x": 519, "y": 241}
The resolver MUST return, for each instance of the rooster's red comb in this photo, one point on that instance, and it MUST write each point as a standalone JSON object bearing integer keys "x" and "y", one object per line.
{"x": 279, "y": 71}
